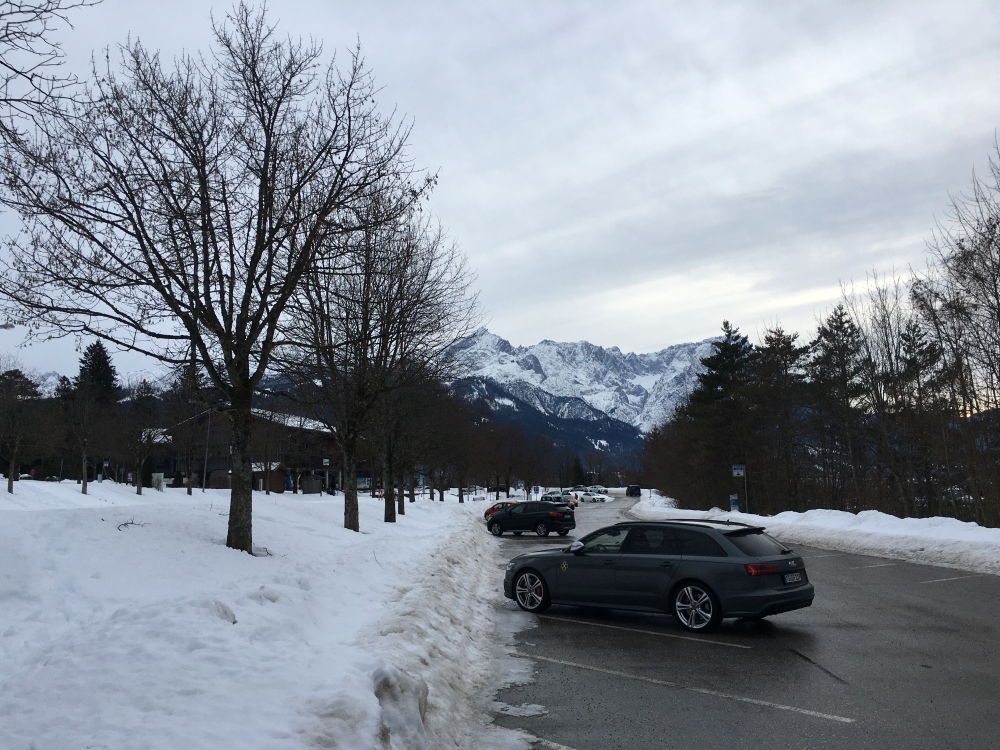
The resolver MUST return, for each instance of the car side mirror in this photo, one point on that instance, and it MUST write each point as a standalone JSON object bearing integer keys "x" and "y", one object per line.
{"x": 576, "y": 547}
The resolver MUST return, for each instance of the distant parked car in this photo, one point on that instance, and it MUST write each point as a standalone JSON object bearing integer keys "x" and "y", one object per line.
{"x": 599, "y": 489}
{"x": 25, "y": 476}
{"x": 497, "y": 507}
{"x": 593, "y": 497}
{"x": 560, "y": 496}
{"x": 534, "y": 516}
{"x": 578, "y": 488}
{"x": 633, "y": 490}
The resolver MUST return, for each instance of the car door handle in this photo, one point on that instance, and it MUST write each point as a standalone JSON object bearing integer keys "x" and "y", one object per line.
{"x": 609, "y": 562}
{"x": 666, "y": 564}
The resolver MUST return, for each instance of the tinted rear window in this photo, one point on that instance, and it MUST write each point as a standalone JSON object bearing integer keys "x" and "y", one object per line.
{"x": 756, "y": 544}
{"x": 698, "y": 544}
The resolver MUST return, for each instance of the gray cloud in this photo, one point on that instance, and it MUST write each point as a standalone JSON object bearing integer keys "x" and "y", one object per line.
{"x": 631, "y": 173}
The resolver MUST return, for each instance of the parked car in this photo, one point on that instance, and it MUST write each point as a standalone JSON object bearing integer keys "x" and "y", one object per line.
{"x": 560, "y": 496}
{"x": 593, "y": 497}
{"x": 633, "y": 490}
{"x": 578, "y": 488}
{"x": 598, "y": 489}
{"x": 698, "y": 571}
{"x": 497, "y": 507}
{"x": 540, "y": 517}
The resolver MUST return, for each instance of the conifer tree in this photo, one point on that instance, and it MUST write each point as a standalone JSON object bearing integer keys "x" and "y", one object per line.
{"x": 726, "y": 369}
{"x": 97, "y": 373}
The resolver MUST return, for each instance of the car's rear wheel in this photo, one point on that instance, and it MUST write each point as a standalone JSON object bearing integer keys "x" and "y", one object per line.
{"x": 496, "y": 529}
{"x": 563, "y": 533}
{"x": 530, "y": 592}
{"x": 696, "y": 608}
{"x": 542, "y": 529}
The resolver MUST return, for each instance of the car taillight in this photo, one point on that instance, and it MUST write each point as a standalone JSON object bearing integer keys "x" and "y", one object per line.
{"x": 554, "y": 514}
{"x": 761, "y": 569}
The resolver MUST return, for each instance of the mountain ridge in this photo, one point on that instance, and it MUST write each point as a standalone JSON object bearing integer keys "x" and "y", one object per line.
{"x": 584, "y": 381}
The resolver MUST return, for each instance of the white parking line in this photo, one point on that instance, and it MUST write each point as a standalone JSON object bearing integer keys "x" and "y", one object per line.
{"x": 647, "y": 632}
{"x": 956, "y": 578}
{"x": 703, "y": 691}
{"x": 880, "y": 565}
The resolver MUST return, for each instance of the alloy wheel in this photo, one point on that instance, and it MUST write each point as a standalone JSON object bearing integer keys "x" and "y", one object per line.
{"x": 694, "y": 607}
{"x": 529, "y": 591}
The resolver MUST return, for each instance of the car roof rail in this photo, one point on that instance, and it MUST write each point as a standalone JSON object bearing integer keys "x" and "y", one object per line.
{"x": 713, "y": 521}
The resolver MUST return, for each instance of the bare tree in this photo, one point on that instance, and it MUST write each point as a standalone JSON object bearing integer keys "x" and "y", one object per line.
{"x": 379, "y": 311}
{"x": 137, "y": 431}
{"x": 30, "y": 59}
{"x": 187, "y": 406}
{"x": 17, "y": 393}
{"x": 180, "y": 206}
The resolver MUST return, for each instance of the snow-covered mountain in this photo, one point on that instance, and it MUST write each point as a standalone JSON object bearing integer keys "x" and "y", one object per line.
{"x": 581, "y": 381}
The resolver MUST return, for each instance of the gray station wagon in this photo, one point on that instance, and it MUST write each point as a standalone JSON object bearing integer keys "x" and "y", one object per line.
{"x": 698, "y": 571}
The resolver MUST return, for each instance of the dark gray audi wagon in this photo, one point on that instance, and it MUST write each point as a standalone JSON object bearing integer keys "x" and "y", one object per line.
{"x": 698, "y": 571}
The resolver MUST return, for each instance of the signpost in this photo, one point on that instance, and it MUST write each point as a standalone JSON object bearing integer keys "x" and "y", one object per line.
{"x": 740, "y": 470}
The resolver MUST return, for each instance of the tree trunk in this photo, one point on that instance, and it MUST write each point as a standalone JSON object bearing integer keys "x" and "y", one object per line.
{"x": 461, "y": 490}
{"x": 413, "y": 488}
{"x": 138, "y": 476}
{"x": 83, "y": 489}
{"x": 241, "y": 495}
{"x": 430, "y": 483}
{"x": 388, "y": 497}
{"x": 401, "y": 498}
{"x": 350, "y": 490}
{"x": 440, "y": 490}
{"x": 11, "y": 473}
{"x": 190, "y": 477}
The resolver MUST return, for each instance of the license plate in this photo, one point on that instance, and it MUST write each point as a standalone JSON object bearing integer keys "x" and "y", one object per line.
{"x": 793, "y": 577}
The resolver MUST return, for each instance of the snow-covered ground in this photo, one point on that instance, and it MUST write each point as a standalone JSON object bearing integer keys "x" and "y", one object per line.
{"x": 938, "y": 541}
{"x": 155, "y": 635}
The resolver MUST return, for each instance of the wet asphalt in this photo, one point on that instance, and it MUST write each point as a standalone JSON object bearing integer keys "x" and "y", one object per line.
{"x": 890, "y": 655}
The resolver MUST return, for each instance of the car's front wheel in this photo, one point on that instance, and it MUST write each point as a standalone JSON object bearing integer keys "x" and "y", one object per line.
{"x": 696, "y": 608}
{"x": 496, "y": 529}
{"x": 542, "y": 529}
{"x": 530, "y": 592}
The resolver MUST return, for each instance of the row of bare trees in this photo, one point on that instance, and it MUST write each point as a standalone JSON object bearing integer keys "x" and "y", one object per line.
{"x": 893, "y": 405}
{"x": 250, "y": 211}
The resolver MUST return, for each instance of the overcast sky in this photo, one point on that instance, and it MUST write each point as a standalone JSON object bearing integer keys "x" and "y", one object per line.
{"x": 632, "y": 173}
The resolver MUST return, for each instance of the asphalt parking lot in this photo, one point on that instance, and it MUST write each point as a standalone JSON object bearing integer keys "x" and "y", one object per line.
{"x": 890, "y": 655}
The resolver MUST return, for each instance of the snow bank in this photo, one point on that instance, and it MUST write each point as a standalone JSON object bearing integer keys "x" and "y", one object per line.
{"x": 155, "y": 635}
{"x": 938, "y": 541}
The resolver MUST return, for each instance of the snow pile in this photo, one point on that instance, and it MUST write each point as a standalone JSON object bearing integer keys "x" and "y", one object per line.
{"x": 938, "y": 541}
{"x": 155, "y": 635}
